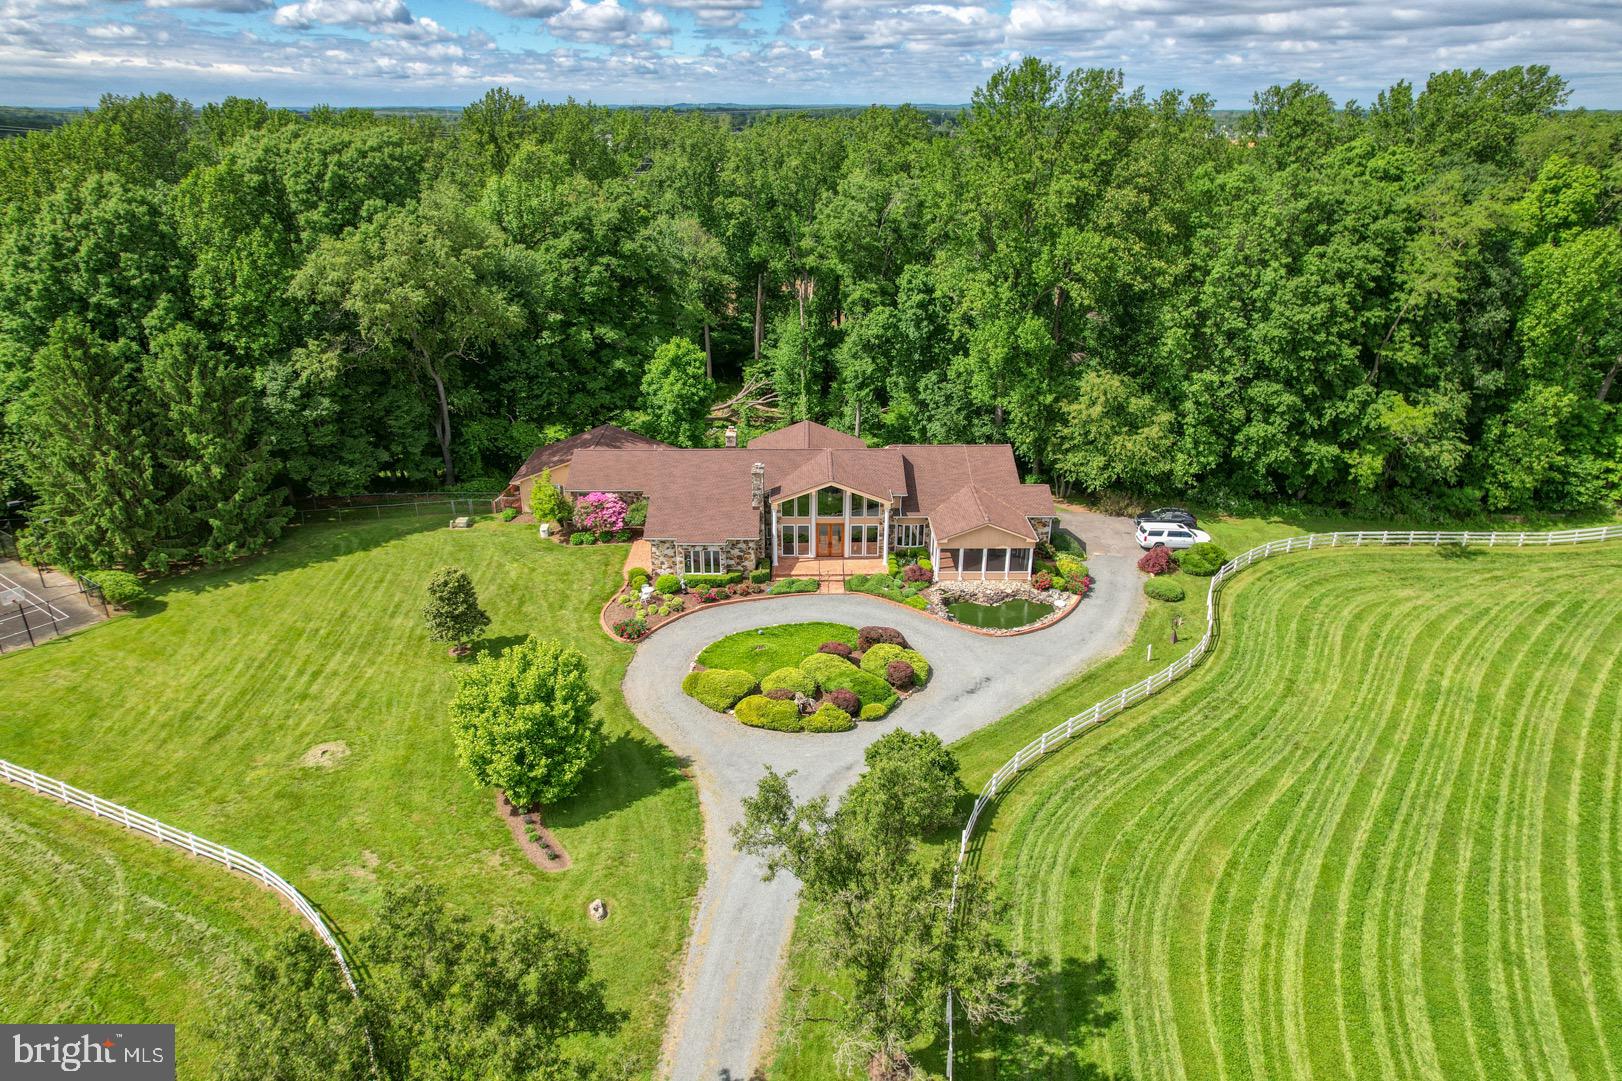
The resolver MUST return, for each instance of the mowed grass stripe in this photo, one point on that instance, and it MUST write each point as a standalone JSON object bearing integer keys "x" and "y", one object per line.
{"x": 1192, "y": 852}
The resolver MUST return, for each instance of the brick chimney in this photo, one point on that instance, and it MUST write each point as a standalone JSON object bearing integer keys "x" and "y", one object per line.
{"x": 757, "y": 486}
{"x": 732, "y": 435}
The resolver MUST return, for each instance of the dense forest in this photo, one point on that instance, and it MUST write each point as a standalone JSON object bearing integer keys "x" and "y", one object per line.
{"x": 1414, "y": 303}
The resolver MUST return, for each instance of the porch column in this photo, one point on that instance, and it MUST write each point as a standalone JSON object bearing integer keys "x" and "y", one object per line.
{"x": 776, "y": 538}
{"x": 1007, "y": 554}
{"x": 884, "y": 534}
{"x": 847, "y": 524}
{"x": 815, "y": 547}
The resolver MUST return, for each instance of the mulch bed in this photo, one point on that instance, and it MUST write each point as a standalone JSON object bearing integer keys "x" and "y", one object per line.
{"x": 619, "y": 609}
{"x": 532, "y": 836}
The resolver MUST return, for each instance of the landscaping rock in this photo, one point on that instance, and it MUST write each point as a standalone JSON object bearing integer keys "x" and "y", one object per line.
{"x": 598, "y": 909}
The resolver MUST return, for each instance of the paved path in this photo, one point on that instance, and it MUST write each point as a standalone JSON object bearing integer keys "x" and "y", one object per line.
{"x": 729, "y": 988}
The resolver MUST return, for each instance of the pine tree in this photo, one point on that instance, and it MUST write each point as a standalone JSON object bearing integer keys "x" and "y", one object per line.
{"x": 220, "y": 476}
{"x": 89, "y": 458}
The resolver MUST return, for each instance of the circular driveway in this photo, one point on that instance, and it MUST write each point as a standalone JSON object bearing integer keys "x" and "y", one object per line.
{"x": 729, "y": 986}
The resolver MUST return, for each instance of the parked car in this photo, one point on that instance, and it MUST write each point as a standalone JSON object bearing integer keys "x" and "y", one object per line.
{"x": 1168, "y": 514}
{"x": 1169, "y": 535}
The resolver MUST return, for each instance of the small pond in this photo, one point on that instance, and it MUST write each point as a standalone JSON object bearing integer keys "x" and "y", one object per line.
{"x": 1004, "y": 616}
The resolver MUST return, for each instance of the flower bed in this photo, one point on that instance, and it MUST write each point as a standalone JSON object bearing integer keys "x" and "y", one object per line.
{"x": 853, "y": 675}
{"x": 635, "y": 611}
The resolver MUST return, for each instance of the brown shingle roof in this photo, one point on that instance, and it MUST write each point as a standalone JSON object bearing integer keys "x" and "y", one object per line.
{"x": 806, "y": 435}
{"x": 555, "y": 454}
{"x": 704, "y": 495}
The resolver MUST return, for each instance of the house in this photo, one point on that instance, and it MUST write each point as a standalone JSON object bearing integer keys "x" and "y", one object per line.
{"x": 557, "y": 456}
{"x": 808, "y": 499}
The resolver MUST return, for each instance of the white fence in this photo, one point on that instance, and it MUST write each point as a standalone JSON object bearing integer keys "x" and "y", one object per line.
{"x": 1059, "y": 734}
{"x": 190, "y": 842}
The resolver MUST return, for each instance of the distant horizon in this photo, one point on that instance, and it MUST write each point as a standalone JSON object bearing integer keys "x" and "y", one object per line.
{"x": 431, "y": 54}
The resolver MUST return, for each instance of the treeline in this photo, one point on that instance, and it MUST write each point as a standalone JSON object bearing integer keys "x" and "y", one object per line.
{"x": 1417, "y": 303}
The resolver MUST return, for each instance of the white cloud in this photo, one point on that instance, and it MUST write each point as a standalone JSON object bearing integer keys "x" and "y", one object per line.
{"x": 232, "y": 7}
{"x": 308, "y": 13}
{"x": 716, "y": 13}
{"x": 606, "y": 23}
{"x": 526, "y": 9}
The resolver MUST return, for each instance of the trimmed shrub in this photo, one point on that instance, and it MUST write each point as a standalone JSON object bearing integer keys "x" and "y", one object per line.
{"x": 838, "y": 649}
{"x": 637, "y": 572}
{"x": 825, "y": 666}
{"x": 509, "y": 513}
{"x": 637, "y": 583}
{"x": 829, "y": 718}
{"x": 636, "y": 515}
{"x": 868, "y": 687}
{"x": 879, "y": 657}
{"x": 899, "y": 674}
{"x": 707, "y": 581}
{"x": 881, "y": 585}
{"x": 781, "y": 695}
{"x": 1163, "y": 589}
{"x": 916, "y": 602}
{"x": 925, "y": 564}
{"x": 845, "y": 700}
{"x": 776, "y": 714}
{"x": 794, "y": 585}
{"x": 916, "y": 572}
{"x": 760, "y": 575}
{"x": 621, "y": 536}
{"x": 718, "y": 688}
{"x": 789, "y": 679}
{"x": 1069, "y": 567}
{"x": 119, "y": 587}
{"x": 1156, "y": 561}
{"x": 866, "y": 636}
{"x": 874, "y": 711}
{"x": 1202, "y": 560}
{"x": 668, "y": 584}
{"x": 583, "y": 538}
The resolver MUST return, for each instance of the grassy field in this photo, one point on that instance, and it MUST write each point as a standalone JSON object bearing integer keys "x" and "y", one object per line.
{"x": 1377, "y": 835}
{"x": 96, "y": 922}
{"x": 201, "y": 710}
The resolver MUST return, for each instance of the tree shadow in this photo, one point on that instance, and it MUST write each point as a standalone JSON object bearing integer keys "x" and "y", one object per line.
{"x": 1460, "y": 552}
{"x": 1079, "y": 540}
{"x": 1069, "y": 1010}
{"x": 629, "y": 769}
{"x": 494, "y": 646}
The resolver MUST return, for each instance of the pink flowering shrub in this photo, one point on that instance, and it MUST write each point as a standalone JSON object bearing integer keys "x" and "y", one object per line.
{"x": 600, "y": 512}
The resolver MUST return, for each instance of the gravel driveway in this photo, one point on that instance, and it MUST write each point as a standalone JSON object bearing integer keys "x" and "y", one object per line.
{"x": 729, "y": 986}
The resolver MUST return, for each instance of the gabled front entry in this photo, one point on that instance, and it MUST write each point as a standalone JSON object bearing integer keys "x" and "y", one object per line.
{"x": 830, "y": 539}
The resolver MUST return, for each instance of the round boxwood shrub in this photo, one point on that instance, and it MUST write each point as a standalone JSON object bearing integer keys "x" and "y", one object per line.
{"x": 718, "y": 688}
{"x": 899, "y": 674}
{"x": 838, "y": 649}
{"x": 1201, "y": 560}
{"x": 1163, "y": 589}
{"x": 1157, "y": 561}
{"x": 789, "y": 679}
{"x": 776, "y": 714}
{"x": 636, "y": 572}
{"x": 874, "y": 711}
{"x": 868, "y": 636}
{"x": 668, "y": 584}
{"x": 877, "y": 660}
{"x": 825, "y": 666}
{"x": 830, "y": 718}
{"x": 868, "y": 687}
{"x": 583, "y": 538}
{"x": 119, "y": 587}
{"x": 845, "y": 700}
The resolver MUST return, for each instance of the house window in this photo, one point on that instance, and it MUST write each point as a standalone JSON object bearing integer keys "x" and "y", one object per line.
{"x": 798, "y": 507}
{"x": 864, "y": 540}
{"x": 831, "y": 503}
{"x": 794, "y": 540}
{"x": 996, "y": 561}
{"x": 910, "y": 536}
{"x": 863, "y": 507}
{"x": 702, "y": 561}
{"x": 1019, "y": 560}
{"x": 973, "y": 560}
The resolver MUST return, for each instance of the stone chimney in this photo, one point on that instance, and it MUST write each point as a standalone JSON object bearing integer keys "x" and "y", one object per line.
{"x": 757, "y": 486}
{"x": 732, "y": 435}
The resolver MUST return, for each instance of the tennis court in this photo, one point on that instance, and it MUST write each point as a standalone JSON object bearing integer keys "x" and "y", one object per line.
{"x": 37, "y": 606}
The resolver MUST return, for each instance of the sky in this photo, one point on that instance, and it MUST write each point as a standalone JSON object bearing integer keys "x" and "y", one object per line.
{"x": 793, "y": 52}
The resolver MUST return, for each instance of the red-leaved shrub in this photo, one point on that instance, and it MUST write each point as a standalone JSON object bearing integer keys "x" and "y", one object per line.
{"x": 915, "y": 573}
{"x": 872, "y": 636}
{"x": 1042, "y": 580}
{"x": 899, "y": 674}
{"x": 838, "y": 649}
{"x": 845, "y": 700}
{"x": 1157, "y": 561}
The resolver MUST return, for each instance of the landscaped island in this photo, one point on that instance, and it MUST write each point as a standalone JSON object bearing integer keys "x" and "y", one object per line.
{"x": 807, "y": 677}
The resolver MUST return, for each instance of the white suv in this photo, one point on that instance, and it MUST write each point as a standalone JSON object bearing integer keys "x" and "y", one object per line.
{"x": 1169, "y": 535}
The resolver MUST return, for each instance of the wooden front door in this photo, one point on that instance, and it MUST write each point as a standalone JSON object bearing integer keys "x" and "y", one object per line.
{"x": 830, "y": 539}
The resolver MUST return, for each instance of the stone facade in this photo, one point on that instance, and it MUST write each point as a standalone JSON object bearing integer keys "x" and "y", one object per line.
{"x": 1042, "y": 527}
{"x": 666, "y": 557}
{"x": 736, "y": 555}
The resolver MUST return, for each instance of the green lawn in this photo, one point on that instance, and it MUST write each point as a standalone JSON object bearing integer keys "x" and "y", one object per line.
{"x": 200, "y": 709}
{"x": 99, "y": 923}
{"x": 763, "y": 652}
{"x": 1375, "y": 836}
